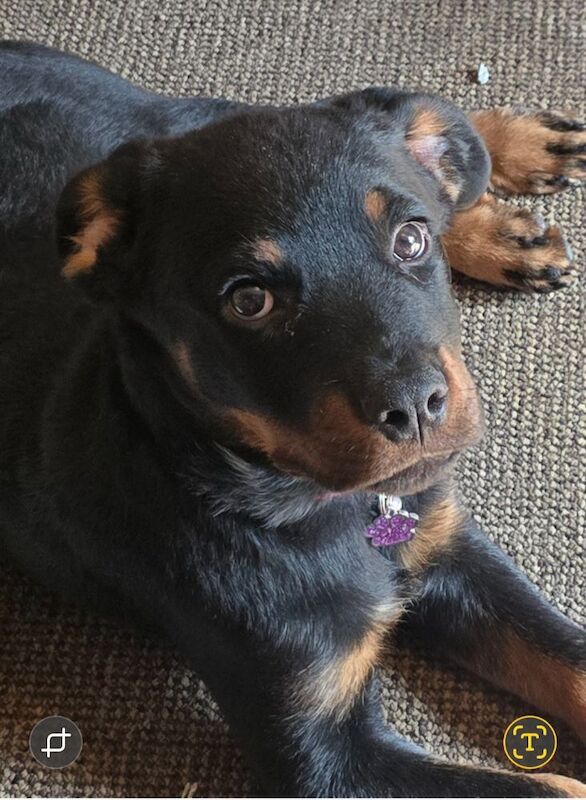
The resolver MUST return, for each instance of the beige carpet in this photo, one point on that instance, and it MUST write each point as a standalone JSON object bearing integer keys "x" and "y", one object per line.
{"x": 149, "y": 725}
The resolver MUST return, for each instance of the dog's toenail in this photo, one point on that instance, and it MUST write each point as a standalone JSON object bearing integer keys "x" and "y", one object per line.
{"x": 568, "y": 249}
{"x": 538, "y": 241}
{"x": 551, "y": 273}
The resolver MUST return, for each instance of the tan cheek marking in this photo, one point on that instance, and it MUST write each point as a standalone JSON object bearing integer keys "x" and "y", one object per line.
{"x": 465, "y": 414}
{"x": 255, "y": 430}
{"x": 181, "y": 356}
{"x": 345, "y": 453}
{"x": 337, "y": 448}
{"x": 375, "y": 204}
{"x": 269, "y": 251}
{"x": 434, "y": 535}
{"x": 101, "y": 225}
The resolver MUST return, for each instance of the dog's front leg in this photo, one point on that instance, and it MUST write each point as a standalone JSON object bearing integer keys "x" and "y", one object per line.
{"x": 309, "y": 717}
{"x": 477, "y": 607}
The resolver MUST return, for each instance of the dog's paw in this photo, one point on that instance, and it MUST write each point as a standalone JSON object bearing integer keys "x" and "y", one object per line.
{"x": 536, "y": 257}
{"x": 510, "y": 247}
{"x": 533, "y": 152}
{"x": 565, "y": 143}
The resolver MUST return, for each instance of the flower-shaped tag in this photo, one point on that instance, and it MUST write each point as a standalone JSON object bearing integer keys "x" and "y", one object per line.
{"x": 394, "y": 526}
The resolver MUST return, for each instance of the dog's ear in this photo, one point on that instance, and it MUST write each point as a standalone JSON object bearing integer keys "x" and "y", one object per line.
{"x": 437, "y": 136}
{"x": 97, "y": 222}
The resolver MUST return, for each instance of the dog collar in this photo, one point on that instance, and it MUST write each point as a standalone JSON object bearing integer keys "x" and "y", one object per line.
{"x": 393, "y": 524}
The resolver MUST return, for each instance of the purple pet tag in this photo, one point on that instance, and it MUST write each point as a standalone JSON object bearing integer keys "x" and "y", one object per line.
{"x": 394, "y": 525}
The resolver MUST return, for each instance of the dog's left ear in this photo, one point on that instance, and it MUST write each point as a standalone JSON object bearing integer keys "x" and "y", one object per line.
{"x": 98, "y": 218}
{"x": 437, "y": 136}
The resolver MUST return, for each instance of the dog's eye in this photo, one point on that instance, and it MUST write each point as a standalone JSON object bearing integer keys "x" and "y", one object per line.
{"x": 411, "y": 241}
{"x": 251, "y": 302}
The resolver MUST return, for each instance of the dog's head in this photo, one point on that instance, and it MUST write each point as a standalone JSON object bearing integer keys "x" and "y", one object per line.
{"x": 288, "y": 265}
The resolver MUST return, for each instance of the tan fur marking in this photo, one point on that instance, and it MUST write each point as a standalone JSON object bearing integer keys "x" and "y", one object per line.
{"x": 542, "y": 680}
{"x": 331, "y": 689}
{"x": 356, "y": 668}
{"x": 517, "y": 144}
{"x": 100, "y": 226}
{"x": 375, "y": 204}
{"x": 451, "y": 185}
{"x": 424, "y": 143}
{"x": 570, "y": 786}
{"x": 269, "y": 251}
{"x": 434, "y": 534}
{"x": 341, "y": 452}
{"x": 337, "y": 449}
{"x": 426, "y": 123}
{"x": 182, "y": 358}
{"x": 482, "y": 242}
{"x": 465, "y": 414}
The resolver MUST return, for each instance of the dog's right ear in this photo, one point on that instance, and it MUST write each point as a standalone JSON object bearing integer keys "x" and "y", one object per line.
{"x": 436, "y": 135}
{"x": 97, "y": 218}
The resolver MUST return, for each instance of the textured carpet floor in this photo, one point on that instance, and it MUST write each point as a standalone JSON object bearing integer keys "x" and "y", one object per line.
{"x": 149, "y": 725}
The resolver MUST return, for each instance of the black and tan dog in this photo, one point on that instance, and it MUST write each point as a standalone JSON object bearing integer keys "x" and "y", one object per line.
{"x": 239, "y": 334}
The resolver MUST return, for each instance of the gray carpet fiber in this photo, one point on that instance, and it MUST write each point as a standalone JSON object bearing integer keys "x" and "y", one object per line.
{"x": 149, "y": 724}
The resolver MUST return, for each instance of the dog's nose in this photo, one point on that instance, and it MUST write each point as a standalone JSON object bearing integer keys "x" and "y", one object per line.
{"x": 411, "y": 405}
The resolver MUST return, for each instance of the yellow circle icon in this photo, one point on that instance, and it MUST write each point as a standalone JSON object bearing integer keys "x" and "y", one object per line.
{"x": 530, "y": 742}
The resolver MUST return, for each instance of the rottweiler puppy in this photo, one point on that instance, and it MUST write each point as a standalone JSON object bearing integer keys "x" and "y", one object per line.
{"x": 231, "y": 376}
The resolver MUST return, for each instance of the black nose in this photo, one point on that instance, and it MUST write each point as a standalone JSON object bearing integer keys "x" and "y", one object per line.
{"x": 412, "y": 405}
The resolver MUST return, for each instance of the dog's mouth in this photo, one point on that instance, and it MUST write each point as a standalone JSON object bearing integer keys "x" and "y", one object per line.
{"x": 340, "y": 453}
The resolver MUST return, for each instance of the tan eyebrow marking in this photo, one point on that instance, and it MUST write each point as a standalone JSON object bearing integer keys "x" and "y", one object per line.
{"x": 375, "y": 204}
{"x": 268, "y": 250}
{"x": 182, "y": 358}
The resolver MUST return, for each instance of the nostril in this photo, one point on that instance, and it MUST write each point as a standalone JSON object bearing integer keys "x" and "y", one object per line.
{"x": 436, "y": 403}
{"x": 398, "y": 419}
{"x": 435, "y": 407}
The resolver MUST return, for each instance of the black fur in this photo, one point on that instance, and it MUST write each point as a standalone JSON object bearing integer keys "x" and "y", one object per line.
{"x": 125, "y": 487}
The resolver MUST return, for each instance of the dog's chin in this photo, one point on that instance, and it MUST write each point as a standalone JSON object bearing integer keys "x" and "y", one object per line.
{"x": 417, "y": 478}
